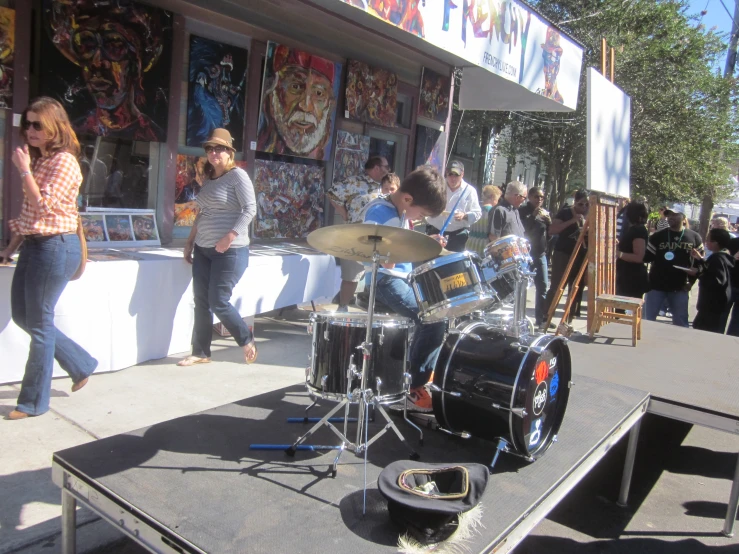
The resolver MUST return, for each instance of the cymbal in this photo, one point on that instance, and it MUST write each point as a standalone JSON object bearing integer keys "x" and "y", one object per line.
{"x": 356, "y": 241}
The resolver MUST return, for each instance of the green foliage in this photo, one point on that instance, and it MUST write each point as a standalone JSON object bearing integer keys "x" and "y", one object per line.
{"x": 684, "y": 118}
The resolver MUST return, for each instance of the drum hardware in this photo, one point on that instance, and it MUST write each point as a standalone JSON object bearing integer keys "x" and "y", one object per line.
{"x": 520, "y": 412}
{"x": 435, "y": 388}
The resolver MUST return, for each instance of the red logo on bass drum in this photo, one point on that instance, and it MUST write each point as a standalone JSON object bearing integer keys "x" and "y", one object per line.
{"x": 542, "y": 371}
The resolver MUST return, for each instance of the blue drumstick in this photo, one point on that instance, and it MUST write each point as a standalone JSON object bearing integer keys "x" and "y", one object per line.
{"x": 451, "y": 215}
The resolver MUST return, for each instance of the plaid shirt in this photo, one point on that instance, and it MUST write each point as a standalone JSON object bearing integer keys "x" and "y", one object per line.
{"x": 58, "y": 178}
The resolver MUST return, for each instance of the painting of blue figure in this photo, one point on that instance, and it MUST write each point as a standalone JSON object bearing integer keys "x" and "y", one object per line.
{"x": 216, "y": 90}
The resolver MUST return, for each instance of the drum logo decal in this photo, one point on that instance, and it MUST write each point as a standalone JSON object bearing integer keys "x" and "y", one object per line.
{"x": 540, "y": 398}
{"x": 554, "y": 386}
{"x": 553, "y": 362}
{"x": 542, "y": 371}
{"x": 535, "y": 436}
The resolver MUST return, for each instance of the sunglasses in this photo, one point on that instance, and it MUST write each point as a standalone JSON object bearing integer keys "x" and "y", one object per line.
{"x": 216, "y": 149}
{"x": 35, "y": 124}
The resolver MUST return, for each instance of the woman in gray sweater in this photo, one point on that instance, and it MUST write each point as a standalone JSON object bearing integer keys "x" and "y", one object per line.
{"x": 218, "y": 248}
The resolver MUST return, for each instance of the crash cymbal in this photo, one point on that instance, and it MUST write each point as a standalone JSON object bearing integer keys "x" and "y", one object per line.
{"x": 356, "y": 242}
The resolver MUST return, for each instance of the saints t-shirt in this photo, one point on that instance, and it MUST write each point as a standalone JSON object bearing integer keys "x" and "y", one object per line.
{"x": 383, "y": 211}
{"x": 667, "y": 249}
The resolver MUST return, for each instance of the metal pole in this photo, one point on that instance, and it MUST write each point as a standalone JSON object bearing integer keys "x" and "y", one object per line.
{"x": 69, "y": 523}
{"x": 623, "y": 495}
{"x": 733, "y": 504}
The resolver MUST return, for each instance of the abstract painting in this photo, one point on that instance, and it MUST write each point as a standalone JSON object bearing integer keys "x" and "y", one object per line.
{"x": 289, "y": 199}
{"x": 7, "y": 53}
{"x": 433, "y": 101}
{"x": 371, "y": 94}
{"x": 352, "y": 152}
{"x": 216, "y": 90}
{"x": 108, "y": 63}
{"x": 430, "y": 147}
{"x": 298, "y": 105}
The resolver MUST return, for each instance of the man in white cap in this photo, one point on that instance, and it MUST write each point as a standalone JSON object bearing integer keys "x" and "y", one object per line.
{"x": 462, "y": 202}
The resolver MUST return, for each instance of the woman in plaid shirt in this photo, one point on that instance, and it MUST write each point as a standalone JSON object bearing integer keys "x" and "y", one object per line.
{"x": 51, "y": 251}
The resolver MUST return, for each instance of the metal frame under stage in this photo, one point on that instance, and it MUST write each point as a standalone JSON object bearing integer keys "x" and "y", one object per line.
{"x": 518, "y": 497}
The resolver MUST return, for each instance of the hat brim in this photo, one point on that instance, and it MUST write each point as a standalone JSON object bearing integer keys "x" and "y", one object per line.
{"x": 672, "y": 212}
{"x": 455, "y": 172}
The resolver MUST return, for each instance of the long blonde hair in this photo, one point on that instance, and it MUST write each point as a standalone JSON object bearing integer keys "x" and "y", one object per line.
{"x": 208, "y": 169}
{"x": 56, "y": 125}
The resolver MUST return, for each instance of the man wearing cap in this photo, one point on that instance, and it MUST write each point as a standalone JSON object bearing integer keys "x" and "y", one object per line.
{"x": 298, "y": 102}
{"x": 462, "y": 203}
{"x": 668, "y": 250}
{"x": 505, "y": 219}
{"x": 349, "y": 199}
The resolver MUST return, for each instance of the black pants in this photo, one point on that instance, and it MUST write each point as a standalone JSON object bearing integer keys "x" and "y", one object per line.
{"x": 559, "y": 264}
{"x": 707, "y": 320}
{"x": 456, "y": 240}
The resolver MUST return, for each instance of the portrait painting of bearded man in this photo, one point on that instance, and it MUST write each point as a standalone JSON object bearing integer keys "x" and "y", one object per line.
{"x": 108, "y": 63}
{"x": 298, "y": 109}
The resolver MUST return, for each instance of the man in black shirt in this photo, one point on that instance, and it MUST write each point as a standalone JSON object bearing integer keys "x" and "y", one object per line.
{"x": 668, "y": 250}
{"x": 733, "y": 328}
{"x": 567, "y": 224}
{"x": 504, "y": 220}
{"x": 536, "y": 221}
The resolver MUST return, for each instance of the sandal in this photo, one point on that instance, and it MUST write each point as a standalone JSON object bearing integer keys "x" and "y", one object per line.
{"x": 192, "y": 360}
{"x": 251, "y": 359}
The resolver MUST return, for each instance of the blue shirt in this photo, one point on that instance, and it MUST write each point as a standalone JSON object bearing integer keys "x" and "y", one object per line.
{"x": 383, "y": 212}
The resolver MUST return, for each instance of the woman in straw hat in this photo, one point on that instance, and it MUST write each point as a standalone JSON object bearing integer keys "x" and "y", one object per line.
{"x": 218, "y": 248}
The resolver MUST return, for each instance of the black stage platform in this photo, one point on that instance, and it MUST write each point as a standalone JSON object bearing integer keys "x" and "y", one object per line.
{"x": 690, "y": 375}
{"x": 193, "y": 485}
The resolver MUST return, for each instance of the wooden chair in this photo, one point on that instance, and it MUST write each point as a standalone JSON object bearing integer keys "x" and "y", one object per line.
{"x": 605, "y": 306}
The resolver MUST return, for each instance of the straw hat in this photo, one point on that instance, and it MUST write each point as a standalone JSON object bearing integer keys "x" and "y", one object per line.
{"x": 220, "y": 137}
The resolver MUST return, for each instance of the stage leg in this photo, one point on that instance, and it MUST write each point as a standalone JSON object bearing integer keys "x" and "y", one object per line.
{"x": 69, "y": 523}
{"x": 733, "y": 503}
{"x": 623, "y": 495}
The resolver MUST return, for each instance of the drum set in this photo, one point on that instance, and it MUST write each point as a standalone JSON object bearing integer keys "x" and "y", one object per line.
{"x": 495, "y": 378}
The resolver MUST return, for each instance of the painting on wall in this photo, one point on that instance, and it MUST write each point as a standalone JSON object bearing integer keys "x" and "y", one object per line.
{"x": 216, "y": 90}
{"x": 289, "y": 199}
{"x": 108, "y": 63}
{"x": 430, "y": 147}
{"x": 433, "y": 100}
{"x": 93, "y": 228}
{"x": 7, "y": 54}
{"x": 352, "y": 152}
{"x": 298, "y": 105}
{"x": 371, "y": 94}
{"x": 188, "y": 182}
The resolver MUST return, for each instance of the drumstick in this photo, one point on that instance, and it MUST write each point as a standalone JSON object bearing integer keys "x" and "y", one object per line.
{"x": 451, "y": 215}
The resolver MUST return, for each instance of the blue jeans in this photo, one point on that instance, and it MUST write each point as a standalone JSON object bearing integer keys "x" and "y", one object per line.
{"x": 677, "y": 302}
{"x": 44, "y": 267}
{"x": 733, "y": 328}
{"x": 214, "y": 276}
{"x": 397, "y": 295}
{"x": 541, "y": 282}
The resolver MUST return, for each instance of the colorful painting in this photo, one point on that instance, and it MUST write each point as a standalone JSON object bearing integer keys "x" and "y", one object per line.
{"x": 430, "y": 147}
{"x": 371, "y": 94}
{"x": 216, "y": 90}
{"x": 289, "y": 199}
{"x": 93, "y": 228}
{"x": 188, "y": 182}
{"x": 298, "y": 108}
{"x": 108, "y": 63}
{"x": 7, "y": 53}
{"x": 433, "y": 100}
{"x": 352, "y": 152}
{"x": 144, "y": 227}
{"x": 118, "y": 227}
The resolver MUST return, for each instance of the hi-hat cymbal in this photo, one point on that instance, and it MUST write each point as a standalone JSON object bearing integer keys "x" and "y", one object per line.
{"x": 356, "y": 241}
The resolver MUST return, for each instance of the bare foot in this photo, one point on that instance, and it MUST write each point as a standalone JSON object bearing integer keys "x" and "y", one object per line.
{"x": 192, "y": 360}
{"x": 250, "y": 352}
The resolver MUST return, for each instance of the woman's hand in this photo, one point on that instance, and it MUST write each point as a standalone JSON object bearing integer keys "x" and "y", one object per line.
{"x": 695, "y": 254}
{"x": 188, "y": 252}
{"x": 692, "y": 272}
{"x": 22, "y": 159}
{"x": 225, "y": 243}
{"x": 5, "y": 256}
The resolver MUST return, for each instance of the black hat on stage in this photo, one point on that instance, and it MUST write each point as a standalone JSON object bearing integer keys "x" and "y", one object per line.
{"x": 432, "y": 502}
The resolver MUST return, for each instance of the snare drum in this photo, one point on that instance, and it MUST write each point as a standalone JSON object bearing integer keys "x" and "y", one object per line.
{"x": 337, "y": 337}
{"x": 507, "y": 253}
{"x": 492, "y": 386}
{"x": 450, "y": 286}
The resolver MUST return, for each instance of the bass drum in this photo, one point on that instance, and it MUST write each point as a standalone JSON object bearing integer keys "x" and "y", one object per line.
{"x": 492, "y": 386}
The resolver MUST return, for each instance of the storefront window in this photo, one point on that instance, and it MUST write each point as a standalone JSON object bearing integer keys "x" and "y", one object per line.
{"x": 391, "y": 146}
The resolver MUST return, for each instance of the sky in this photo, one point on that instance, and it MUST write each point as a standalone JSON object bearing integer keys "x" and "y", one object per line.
{"x": 716, "y": 15}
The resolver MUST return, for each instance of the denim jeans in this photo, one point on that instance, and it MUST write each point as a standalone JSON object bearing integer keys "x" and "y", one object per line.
{"x": 397, "y": 295}
{"x": 214, "y": 276}
{"x": 44, "y": 267}
{"x": 677, "y": 302}
{"x": 541, "y": 282}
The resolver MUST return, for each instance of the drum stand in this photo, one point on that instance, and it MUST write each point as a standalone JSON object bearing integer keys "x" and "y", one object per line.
{"x": 364, "y": 395}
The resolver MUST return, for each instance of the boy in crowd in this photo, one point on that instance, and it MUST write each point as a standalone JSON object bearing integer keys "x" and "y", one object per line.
{"x": 390, "y": 183}
{"x": 714, "y": 281}
{"x": 422, "y": 193}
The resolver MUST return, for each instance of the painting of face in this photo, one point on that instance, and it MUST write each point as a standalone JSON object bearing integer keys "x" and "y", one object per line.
{"x": 108, "y": 64}
{"x": 298, "y": 108}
